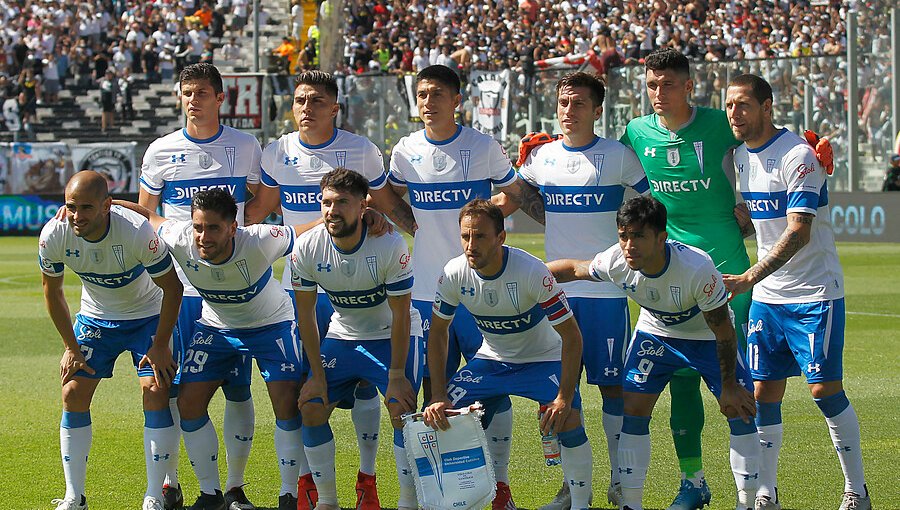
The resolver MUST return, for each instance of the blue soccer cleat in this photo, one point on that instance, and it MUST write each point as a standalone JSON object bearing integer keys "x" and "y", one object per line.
{"x": 690, "y": 497}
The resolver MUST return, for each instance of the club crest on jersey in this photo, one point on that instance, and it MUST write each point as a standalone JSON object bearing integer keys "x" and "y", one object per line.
{"x": 573, "y": 164}
{"x": 439, "y": 161}
{"x": 96, "y": 256}
{"x": 465, "y": 156}
{"x": 341, "y": 157}
{"x": 698, "y": 150}
{"x": 217, "y": 273}
{"x": 372, "y": 262}
{"x": 119, "y": 253}
{"x": 752, "y": 171}
{"x": 598, "y": 166}
{"x": 512, "y": 288}
{"x": 315, "y": 163}
{"x": 770, "y": 165}
{"x": 676, "y": 296}
{"x": 673, "y": 157}
{"x": 347, "y": 268}
{"x": 490, "y": 297}
{"x": 245, "y": 271}
{"x": 229, "y": 155}
{"x": 205, "y": 160}
{"x": 652, "y": 294}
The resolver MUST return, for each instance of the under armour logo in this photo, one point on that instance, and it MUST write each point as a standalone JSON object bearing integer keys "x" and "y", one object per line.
{"x": 813, "y": 368}
{"x": 625, "y": 471}
{"x": 680, "y": 432}
{"x": 470, "y": 291}
{"x": 842, "y": 449}
{"x": 192, "y": 265}
{"x": 549, "y": 162}
{"x": 576, "y": 484}
{"x": 766, "y": 444}
{"x": 323, "y": 267}
{"x": 650, "y": 151}
{"x": 611, "y": 372}
{"x": 243, "y": 438}
{"x": 632, "y": 287}
{"x": 497, "y": 439}
{"x": 157, "y": 457}
{"x": 287, "y": 367}
{"x": 405, "y": 472}
{"x": 235, "y": 372}
{"x": 181, "y": 158}
{"x": 754, "y": 476}
{"x": 415, "y": 159}
{"x": 72, "y": 253}
{"x": 291, "y": 161}
{"x": 213, "y": 458}
{"x": 288, "y": 462}
{"x": 317, "y": 474}
{"x": 370, "y": 437}
{"x": 66, "y": 458}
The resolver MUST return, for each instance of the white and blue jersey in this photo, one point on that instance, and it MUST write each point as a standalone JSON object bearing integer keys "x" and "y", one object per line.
{"x": 515, "y": 310}
{"x": 441, "y": 177}
{"x": 784, "y": 177}
{"x": 177, "y": 166}
{"x": 357, "y": 282}
{"x": 672, "y": 301}
{"x": 296, "y": 169}
{"x": 115, "y": 271}
{"x": 582, "y": 188}
{"x": 239, "y": 293}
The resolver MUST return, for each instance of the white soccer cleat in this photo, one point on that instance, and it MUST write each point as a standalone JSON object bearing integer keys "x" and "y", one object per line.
{"x": 151, "y": 503}
{"x": 766, "y": 503}
{"x": 854, "y": 501}
{"x": 70, "y": 504}
{"x": 562, "y": 500}
{"x": 614, "y": 494}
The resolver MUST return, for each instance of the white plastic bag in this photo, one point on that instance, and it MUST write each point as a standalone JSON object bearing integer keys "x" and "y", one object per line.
{"x": 452, "y": 469}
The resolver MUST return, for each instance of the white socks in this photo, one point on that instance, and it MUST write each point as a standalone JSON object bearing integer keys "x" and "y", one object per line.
{"x": 499, "y": 434}
{"x": 160, "y": 443}
{"x": 74, "y": 445}
{"x": 366, "y": 416}
{"x": 237, "y": 431}
{"x": 202, "y": 447}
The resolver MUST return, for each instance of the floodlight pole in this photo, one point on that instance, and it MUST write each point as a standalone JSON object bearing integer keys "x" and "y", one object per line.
{"x": 852, "y": 104}
{"x": 255, "y": 36}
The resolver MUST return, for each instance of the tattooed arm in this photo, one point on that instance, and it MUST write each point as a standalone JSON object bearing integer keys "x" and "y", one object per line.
{"x": 520, "y": 195}
{"x": 794, "y": 237}
{"x": 734, "y": 400}
{"x": 388, "y": 202}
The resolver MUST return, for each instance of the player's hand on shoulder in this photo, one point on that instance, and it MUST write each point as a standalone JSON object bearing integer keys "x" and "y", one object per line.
{"x": 377, "y": 223}
{"x": 60, "y": 214}
{"x": 737, "y": 283}
{"x": 314, "y": 387}
{"x": 435, "y": 415}
{"x": 736, "y": 402}
{"x": 72, "y": 361}
{"x": 159, "y": 357}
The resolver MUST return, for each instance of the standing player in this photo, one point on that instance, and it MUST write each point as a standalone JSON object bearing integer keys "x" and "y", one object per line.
{"x": 582, "y": 179}
{"x": 531, "y": 348}
{"x": 373, "y": 336}
{"x": 244, "y": 313}
{"x": 204, "y": 155}
{"x": 443, "y": 167}
{"x": 686, "y": 152}
{"x": 121, "y": 263}
{"x": 797, "y": 314}
{"x": 684, "y": 322}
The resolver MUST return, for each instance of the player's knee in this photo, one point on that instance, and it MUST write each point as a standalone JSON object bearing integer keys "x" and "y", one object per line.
{"x": 154, "y": 396}
{"x": 610, "y": 391}
{"x": 769, "y": 391}
{"x": 74, "y": 398}
{"x": 826, "y": 389}
{"x": 314, "y": 414}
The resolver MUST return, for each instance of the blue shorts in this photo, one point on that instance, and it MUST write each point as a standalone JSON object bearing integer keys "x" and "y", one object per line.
{"x": 490, "y": 381}
{"x": 605, "y": 325}
{"x": 324, "y": 311}
{"x": 651, "y": 360}
{"x": 347, "y": 362}
{"x": 465, "y": 338}
{"x": 213, "y": 354}
{"x": 184, "y": 331}
{"x": 102, "y": 341}
{"x": 786, "y": 339}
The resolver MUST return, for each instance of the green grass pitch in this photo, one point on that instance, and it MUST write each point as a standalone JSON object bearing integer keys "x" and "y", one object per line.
{"x": 810, "y": 477}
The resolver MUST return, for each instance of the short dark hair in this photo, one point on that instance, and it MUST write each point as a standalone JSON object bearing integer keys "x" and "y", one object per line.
{"x": 202, "y": 71}
{"x": 316, "y": 77}
{"x": 760, "y": 88}
{"x": 217, "y": 200}
{"x": 582, "y": 79}
{"x": 642, "y": 211}
{"x": 481, "y": 207}
{"x": 666, "y": 58}
{"x": 441, "y": 74}
{"x": 344, "y": 180}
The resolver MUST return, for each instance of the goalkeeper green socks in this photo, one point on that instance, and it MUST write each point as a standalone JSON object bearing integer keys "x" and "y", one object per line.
{"x": 687, "y": 421}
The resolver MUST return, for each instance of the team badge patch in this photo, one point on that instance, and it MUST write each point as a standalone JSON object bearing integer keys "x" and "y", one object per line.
{"x": 573, "y": 164}
{"x": 96, "y": 256}
{"x": 315, "y": 163}
{"x": 439, "y": 161}
{"x": 676, "y": 296}
{"x": 205, "y": 160}
{"x": 372, "y": 262}
{"x": 218, "y": 274}
{"x": 119, "y": 252}
{"x": 341, "y": 157}
{"x": 512, "y": 288}
{"x": 673, "y": 157}
{"x": 490, "y": 297}
{"x": 245, "y": 271}
{"x": 347, "y": 268}
{"x": 652, "y": 294}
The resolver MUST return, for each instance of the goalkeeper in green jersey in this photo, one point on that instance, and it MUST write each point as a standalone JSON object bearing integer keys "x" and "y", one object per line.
{"x": 686, "y": 152}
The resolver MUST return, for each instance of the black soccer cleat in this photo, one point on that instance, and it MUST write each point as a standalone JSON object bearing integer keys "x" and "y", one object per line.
{"x": 287, "y": 502}
{"x": 209, "y": 502}
{"x": 173, "y": 499}
{"x": 235, "y": 499}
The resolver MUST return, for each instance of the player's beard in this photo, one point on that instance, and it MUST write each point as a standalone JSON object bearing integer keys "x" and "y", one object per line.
{"x": 347, "y": 230}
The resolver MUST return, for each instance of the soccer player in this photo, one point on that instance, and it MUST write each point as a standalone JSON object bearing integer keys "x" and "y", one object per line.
{"x": 686, "y": 152}
{"x": 292, "y": 168}
{"x": 797, "y": 313}
{"x": 684, "y": 322}
{"x": 203, "y": 155}
{"x": 582, "y": 180}
{"x": 244, "y": 313}
{"x": 531, "y": 348}
{"x": 373, "y": 336}
{"x": 129, "y": 302}
{"x": 442, "y": 167}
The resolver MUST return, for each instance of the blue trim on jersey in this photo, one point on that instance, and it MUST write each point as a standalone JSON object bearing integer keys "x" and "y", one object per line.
{"x": 433, "y": 196}
{"x": 267, "y": 179}
{"x": 307, "y": 283}
{"x": 105, "y": 233}
{"x": 180, "y": 193}
{"x": 583, "y": 147}
{"x": 767, "y": 144}
{"x": 674, "y": 318}
{"x": 236, "y": 296}
{"x": 401, "y": 285}
{"x": 446, "y": 309}
{"x": 150, "y": 186}
{"x": 158, "y": 268}
{"x": 377, "y": 183}
{"x": 804, "y": 199}
{"x": 112, "y": 281}
{"x": 395, "y": 180}
{"x": 504, "y": 325}
{"x": 445, "y": 142}
{"x": 321, "y": 145}
{"x": 290, "y": 247}
{"x": 582, "y": 199}
{"x": 823, "y": 194}
{"x": 301, "y": 198}
{"x": 509, "y": 175}
{"x": 665, "y": 267}
{"x": 357, "y": 298}
{"x": 357, "y": 246}
{"x": 642, "y": 186}
{"x": 204, "y": 140}
{"x": 230, "y": 256}
{"x": 502, "y": 267}
{"x": 764, "y": 205}
{"x": 57, "y": 267}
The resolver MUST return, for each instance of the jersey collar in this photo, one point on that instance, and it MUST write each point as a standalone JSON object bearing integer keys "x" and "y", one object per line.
{"x": 204, "y": 140}
{"x": 665, "y": 267}
{"x": 444, "y": 142}
{"x": 770, "y": 142}
{"x": 583, "y": 147}
{"x": 502, "y": 268}
{"x": 353, "y": 250}
{"x": 321, "y": 145}
{"x": 686, "y": 124}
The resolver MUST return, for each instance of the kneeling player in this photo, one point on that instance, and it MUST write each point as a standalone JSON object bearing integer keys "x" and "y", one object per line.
{"x": 684, "y": 322}
{"x": 532, "y": 345}
{"x": 369, "y": 282}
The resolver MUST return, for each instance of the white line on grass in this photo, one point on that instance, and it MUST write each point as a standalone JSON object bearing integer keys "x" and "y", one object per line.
{"x": 894, "y": 315}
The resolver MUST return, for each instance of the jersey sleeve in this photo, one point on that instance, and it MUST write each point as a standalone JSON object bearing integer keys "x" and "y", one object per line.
{"x": 267, "y": 164}
{"x": 395, "y": 173}
{"x": 447, "y": 298}
{"x": 175, "y": 234}
{"x": 602, "y": 263}
{"x": 501, "y": 170}
{"x": 709, "y": 291}
{"x": 374, "y": 167}
{"x": 151, "y": 175}
{"x": 633, "y": 174}
{"x": 805, "y": 180}
{"x": 152, "y": 253}
{"x": 398, "y": 276}
{"x": 275, "y": 241}
{"x": 49, "y": 253}
{"x": 626, "y": 137}
{"x": 301, "y": 280}
{"x": 253, "y": 176}
{"x": 528, "y": 172}
{"x": 550, "y": 295}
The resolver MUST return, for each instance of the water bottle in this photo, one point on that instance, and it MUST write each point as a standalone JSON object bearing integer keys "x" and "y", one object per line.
{"x": 549, "y": 443}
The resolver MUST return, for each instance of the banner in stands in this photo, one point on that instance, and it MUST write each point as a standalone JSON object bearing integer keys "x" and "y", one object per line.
{"x": 490, "y": 103}
{"x": 116, "y": 161}
{"x": 44, "y": 168}
{"x": 243, "y": 106}
{"x": 26, "y": 214}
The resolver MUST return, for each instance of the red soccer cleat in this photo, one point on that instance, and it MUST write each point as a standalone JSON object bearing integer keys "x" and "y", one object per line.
{"x": 307, "y": 495}
{"x": 366, "y": 492}
{"x": 503, "y": 499}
